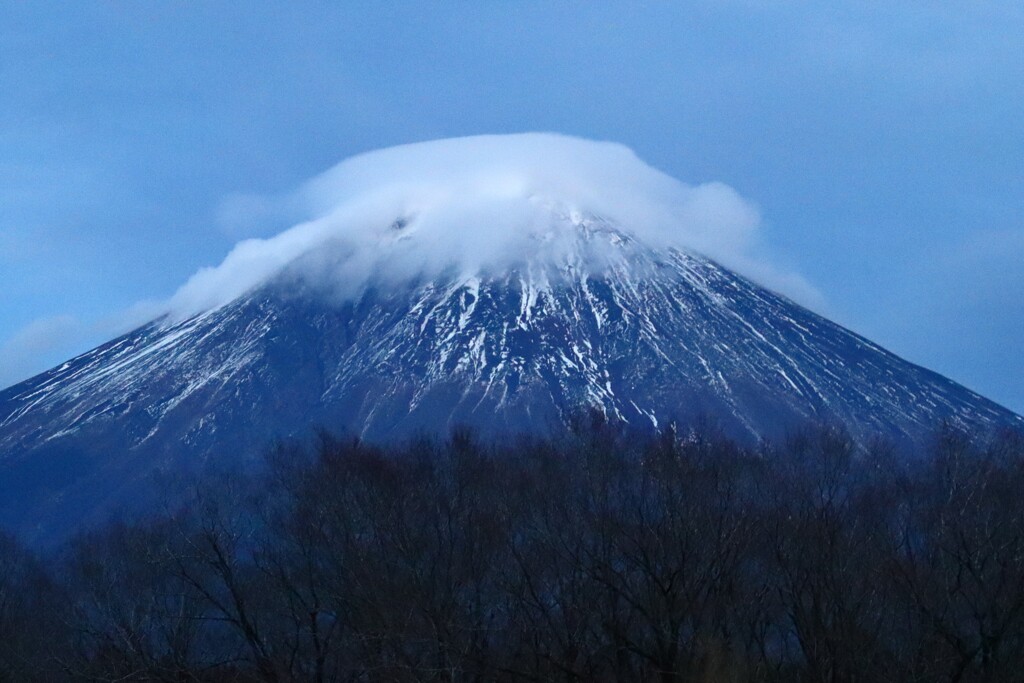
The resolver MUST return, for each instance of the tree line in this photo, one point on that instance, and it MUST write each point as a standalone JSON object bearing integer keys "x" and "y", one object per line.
{"x": 598, "y": 555}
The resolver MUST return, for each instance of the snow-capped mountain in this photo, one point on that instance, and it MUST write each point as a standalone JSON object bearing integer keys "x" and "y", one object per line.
{"x": 656, "y": 336}
{"x": 457, "y": 282}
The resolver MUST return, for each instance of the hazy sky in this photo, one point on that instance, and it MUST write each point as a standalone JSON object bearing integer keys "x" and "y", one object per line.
{"x": 883, "y": 143}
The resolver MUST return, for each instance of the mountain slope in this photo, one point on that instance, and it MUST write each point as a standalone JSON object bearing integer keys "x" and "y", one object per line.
{"x": 646, "y": 335}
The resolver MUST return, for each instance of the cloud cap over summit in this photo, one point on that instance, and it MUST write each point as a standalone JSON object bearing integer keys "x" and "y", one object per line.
{"x": 482, "y": 202}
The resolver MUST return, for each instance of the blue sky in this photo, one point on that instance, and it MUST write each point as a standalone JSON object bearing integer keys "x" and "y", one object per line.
{"x": 883, "y": 142}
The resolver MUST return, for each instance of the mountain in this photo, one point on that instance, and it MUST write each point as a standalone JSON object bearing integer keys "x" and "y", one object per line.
{"x": 647, "y": 335}
{"x": 502, "y": 282}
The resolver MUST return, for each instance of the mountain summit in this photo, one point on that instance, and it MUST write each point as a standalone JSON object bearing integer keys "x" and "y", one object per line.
{"x": 553, "y": 307}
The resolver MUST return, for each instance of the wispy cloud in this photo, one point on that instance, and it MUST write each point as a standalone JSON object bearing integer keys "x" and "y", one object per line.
{"x": 38, "y": 345}
{"x": 43, "y": 343}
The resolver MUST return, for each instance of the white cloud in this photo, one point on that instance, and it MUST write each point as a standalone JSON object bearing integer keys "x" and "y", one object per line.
{"x": 476, "y": 203}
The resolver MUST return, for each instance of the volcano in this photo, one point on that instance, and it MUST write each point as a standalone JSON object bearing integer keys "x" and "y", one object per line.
{"x": 590, "y": 313}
